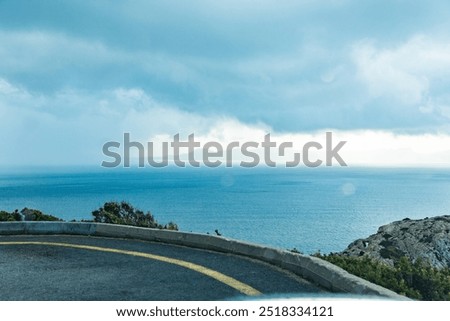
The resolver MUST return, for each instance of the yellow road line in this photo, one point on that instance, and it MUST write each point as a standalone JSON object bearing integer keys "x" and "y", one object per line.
{"x": 225, "y": 279}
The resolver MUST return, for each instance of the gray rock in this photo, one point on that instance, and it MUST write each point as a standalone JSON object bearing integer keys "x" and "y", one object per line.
{"x": 428, "y": 239}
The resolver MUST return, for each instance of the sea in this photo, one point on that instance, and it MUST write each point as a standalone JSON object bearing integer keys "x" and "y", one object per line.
{"x": 309, "y": 209}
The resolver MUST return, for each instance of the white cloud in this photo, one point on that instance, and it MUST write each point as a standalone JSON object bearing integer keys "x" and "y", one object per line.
{"x": 385, "y": 148}
{"x": 405, "y": 72}
{"x": 60, "y": 56}
{"x": 46, "y": 51}
{"x": 330, "y": 75}
{"x": 34, "y": 132}
{"x": 6, "y": 88}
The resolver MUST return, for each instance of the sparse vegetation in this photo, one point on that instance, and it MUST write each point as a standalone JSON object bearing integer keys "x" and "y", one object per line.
{"x": 36, "y": 215}
{"x": 10, "y": 217}
{"x": 125, "y": 214}
{"x": 111, "y": 212}
{"x": 417, "y": 280}
{"x": 26, "y": 215}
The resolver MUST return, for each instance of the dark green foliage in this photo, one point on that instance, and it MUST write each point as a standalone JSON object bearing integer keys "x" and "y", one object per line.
{"x": 26, "y": 215}
{"x": 36, "y": 215}
{"x": 295, "y": 250}
{"x": 416, "y": 280}
{"x": 171, "y": 226}
{"x": 125, "y": 214}
{"x": 391, "y": 252}
{"x": 10, "y": 217}
{"x": 386, "y": 243}
{"x": 112, "y": 212}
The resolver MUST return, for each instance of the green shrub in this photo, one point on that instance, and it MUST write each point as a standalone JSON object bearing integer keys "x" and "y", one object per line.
{"x": 417, "y": 280}
{"x": 124, "y": 213}
{"x": 26, "y": 215}
{"x": 171, "y": 226}
{"x": 36, "y": 215}
{"x": 112, "y": 212}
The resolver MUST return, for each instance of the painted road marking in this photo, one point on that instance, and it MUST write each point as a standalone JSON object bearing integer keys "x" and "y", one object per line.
{"x": 225, "y": 279}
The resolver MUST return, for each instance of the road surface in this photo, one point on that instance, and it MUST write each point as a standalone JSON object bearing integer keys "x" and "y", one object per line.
{"x": 83, "y": 268}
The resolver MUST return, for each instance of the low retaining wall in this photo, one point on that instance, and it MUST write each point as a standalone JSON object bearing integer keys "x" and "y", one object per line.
{"x": 311, "y": 268}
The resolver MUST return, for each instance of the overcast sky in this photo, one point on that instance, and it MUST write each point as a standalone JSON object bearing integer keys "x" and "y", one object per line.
{"x": 76, "y": 74}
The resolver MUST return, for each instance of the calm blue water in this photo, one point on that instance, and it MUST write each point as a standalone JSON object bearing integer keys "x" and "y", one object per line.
{"x": 310, "y": 209}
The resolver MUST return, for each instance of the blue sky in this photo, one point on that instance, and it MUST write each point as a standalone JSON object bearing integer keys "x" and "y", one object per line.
{"x": 75, "y": 74}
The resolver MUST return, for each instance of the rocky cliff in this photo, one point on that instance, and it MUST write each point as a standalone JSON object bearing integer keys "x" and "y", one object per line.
{"x": 428, "y": 239}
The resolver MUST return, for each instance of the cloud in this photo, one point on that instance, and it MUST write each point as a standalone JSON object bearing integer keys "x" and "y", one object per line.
{"x": 362, "y": 147}
{"x": 70, "y": 126}
{"x": 308, "y": 86}
{"x": 51, "y": 62}
{"x": 62, "y": 60}
{"x": 407, "y": 72}
{"x": 35, "y": 132}
{"x": 386, "y": 148}
{"x": 77, "y": 74}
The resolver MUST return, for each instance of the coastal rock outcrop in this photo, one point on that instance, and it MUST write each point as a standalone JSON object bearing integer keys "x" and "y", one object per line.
{"x": 427, "y": 239}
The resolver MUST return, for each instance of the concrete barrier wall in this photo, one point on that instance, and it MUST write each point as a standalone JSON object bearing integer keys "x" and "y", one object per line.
{"x": 311, "y": 268}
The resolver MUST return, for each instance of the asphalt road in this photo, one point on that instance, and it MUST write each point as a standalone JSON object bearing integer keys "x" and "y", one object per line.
{"x": 91, "y": 268}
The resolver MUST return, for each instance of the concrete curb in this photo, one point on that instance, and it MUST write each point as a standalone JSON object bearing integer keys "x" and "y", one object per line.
{"x": 311, "y": 268}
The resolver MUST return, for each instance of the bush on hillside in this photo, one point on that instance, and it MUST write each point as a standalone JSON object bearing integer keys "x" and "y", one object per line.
{"x": 26, "y": 215}
{"x": 10, "y": 217}
{"x": 125, "y": 214}
{"x": 417, "y": 280}
{"x": 36, "y": 215}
